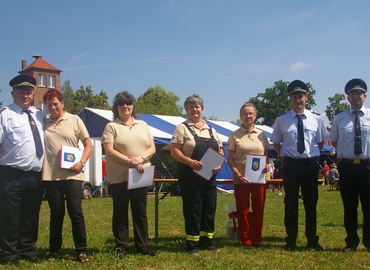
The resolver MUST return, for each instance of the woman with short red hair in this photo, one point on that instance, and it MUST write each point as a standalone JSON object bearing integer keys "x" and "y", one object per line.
{"x": 63, "y": 128}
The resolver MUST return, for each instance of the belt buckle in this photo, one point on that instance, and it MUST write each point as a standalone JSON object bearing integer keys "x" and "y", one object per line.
{"x": 356, "y": 161}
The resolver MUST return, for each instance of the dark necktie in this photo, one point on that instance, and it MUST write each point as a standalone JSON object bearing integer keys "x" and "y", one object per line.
{"x": 36, "y": 134}
{"x": 358, "y": 146}
{"x": 300, "y": 139}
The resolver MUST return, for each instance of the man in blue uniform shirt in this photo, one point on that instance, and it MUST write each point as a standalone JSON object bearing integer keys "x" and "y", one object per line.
{"x": 21, "y": 158}
{"x": 350, "y": 135}
{"x": 298, "y": 137}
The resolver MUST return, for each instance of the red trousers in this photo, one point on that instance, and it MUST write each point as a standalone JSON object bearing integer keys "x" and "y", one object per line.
{"x": 247, "y": 234}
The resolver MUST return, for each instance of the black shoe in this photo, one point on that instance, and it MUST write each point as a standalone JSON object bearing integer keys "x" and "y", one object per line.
{"x": 121, "y": 253}
{"x": 193, "y": 252}
{"x": 349, "y": 248}
{"x": 212, "y": 249}
{"x": 260, "y": 247}
{"x": 32, "y": 258}
{"x": 290, "y": 247}
{"x": 148, "y": 252}
{"x": 10, "y": 261}
{"x": 52, "y": 256}
{"x": 316, "y": 247}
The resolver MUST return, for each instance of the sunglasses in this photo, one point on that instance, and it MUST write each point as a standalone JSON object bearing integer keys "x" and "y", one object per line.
{"x": 127, "y": 103}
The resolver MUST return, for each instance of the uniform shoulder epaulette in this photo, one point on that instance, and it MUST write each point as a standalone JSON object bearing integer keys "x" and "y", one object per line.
{"x": 280, "y": 114}
{"x": 3, "y": 109}
{"x": 339, "y": 112}
{"x": 319, "y": 114}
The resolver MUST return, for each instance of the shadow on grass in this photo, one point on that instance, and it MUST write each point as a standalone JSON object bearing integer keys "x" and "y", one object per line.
{"x": 64, "y": 253}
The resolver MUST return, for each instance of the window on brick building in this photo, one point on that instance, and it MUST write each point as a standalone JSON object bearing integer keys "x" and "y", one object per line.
{"x": 42, "y": 106}
{"x": 52, "y": 81}
{"x": 42, "y": 80}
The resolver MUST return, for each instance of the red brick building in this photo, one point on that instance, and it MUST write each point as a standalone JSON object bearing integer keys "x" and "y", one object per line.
{"x": 47, "y": 77}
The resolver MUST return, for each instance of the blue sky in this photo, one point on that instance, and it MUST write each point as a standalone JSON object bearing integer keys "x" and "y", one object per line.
{"x": 225, "y": 51}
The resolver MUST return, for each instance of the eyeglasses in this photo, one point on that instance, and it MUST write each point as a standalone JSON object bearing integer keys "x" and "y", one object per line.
{"x": 126, "y": 102}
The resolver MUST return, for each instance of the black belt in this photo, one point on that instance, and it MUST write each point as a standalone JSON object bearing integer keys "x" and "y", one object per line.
{"x": 302, "y": 160}
{"x": 356, "y": 161}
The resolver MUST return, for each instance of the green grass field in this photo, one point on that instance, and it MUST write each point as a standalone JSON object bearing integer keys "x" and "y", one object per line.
{"x": 171, "y": 242}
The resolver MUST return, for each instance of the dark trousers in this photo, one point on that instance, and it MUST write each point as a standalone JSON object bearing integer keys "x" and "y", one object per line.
{"x": 300, "y": 173}
{"x": 57, "y": 193}
{"x": 354, "y": 182}
{"x": 121, "y": 198}
{"x": 199, "y": 199}
{"x": 20, "y": 201}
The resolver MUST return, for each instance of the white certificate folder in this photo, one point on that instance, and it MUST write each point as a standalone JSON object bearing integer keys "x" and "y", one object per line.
{"x": 210, "y": 160}
{"x": 69, "y": 155}
{"x": 138, "y": 180}
{"x": 253, "y": 169}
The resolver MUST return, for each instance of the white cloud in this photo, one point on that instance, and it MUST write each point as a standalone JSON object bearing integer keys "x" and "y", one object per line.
{"x": 298, "y": 66}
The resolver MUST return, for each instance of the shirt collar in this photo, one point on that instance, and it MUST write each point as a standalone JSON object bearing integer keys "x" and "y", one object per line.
{"x": 19, "y": 110}
{"x": 63, "y": 118}
{"x": 361, "y": 110}
{"x": 191, "y": 123}
{"x": 119, "y": 121}
{"x": 305, "y": 113}
{"x": 244, "y": 130}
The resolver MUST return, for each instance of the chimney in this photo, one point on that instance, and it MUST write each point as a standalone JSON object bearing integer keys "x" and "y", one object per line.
{"x": 24, "y": 64}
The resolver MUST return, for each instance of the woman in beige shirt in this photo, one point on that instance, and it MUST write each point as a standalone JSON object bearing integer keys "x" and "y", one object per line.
{"x": 189, "y": 143}
{"x": 62, "y": 128}
{"x": 242, "y": 142}
{"x": 128, "y": 143}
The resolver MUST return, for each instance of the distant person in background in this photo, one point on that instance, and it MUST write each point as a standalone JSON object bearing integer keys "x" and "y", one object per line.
{"x": 298, "y": 137}
{"x": 325, "y": 173}
{"x": 21, "y": 158}
{"x": 104, "y": 185}
{"x": 333, "y": 175}
{"x": 63, "y": 128}
{"x": 190, "y": 141}
{"x": 278, "y": 172}
{"x": 247, "y": 140}
{"x": 350, "y": 136}
{"x": 128, "y": 143}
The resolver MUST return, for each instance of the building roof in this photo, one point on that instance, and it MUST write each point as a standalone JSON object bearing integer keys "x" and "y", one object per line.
{"x": 42, "y": 64}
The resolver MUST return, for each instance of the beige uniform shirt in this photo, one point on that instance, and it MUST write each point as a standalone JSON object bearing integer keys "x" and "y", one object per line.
{"x": 183, "y": 136}
{"x": 130, "y": 141}
{"x": 67, "y": 131}
{"x": 242, "y": 143}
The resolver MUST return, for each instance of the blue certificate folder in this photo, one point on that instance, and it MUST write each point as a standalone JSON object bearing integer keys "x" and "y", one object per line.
{"x": 69, "y": 155}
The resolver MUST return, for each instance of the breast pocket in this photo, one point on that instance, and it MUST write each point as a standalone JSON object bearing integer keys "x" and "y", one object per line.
{"x": 311, "y": 132}
{"x": 17, "y": 132}
{"x": 365, "y": 130}
{"x": 290, "y": 137}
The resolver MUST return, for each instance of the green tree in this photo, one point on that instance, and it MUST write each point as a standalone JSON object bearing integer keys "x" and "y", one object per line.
{"x": 74, "y": 102}
{"x": 275, "y": 100}
{"x": 335, "y": 105}
{"x": 157, "y": 100}
{"x": 68, "y": 94}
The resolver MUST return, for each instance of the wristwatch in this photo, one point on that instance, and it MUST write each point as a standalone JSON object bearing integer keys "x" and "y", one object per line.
{"x": 83, "y": 163}
{"x": 143, "y": 157}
